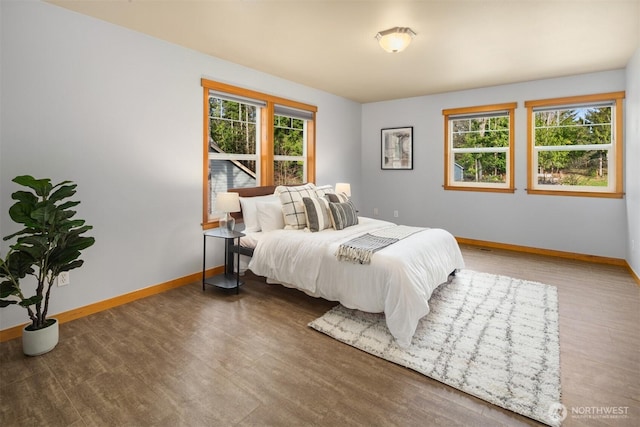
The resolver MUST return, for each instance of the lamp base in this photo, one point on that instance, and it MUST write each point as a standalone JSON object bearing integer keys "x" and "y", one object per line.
{"x": 227, "y": 222}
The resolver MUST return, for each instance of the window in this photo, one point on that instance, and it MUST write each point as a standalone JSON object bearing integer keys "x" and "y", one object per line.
{"x": 232, "y": 148}
{"x": 479, "y": 148}
{"x": 575, "y": 145}
{"x": 253, "y": 139}
{"x": 290, "y": 134}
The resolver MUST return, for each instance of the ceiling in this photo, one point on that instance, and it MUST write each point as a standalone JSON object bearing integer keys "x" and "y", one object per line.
{"x": 331, "y": 45}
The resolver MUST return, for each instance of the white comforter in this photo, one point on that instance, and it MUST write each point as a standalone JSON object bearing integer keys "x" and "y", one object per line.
{"x": 399, "y": 281}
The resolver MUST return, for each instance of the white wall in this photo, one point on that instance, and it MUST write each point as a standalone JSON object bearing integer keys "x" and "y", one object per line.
{"x": 632, "y": 139}
{"x": 120, "y": 113}
{"x": 583, "y": 225}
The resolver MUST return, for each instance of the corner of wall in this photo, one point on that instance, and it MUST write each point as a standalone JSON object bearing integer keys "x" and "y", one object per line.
{"x": 632, "y": 163}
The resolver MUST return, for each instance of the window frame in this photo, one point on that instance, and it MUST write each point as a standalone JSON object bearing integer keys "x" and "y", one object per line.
{"x": 292, "y": 115}
{"x": 449, "y": 151}
{"x": 616, "y": 191}
{"x": 265, "y": 151}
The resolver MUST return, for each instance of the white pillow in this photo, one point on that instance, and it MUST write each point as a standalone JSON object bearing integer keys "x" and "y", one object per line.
{"x": 321, "y": 190}
{"x": 249, "y": 211}
{"x": 270, "y": 215}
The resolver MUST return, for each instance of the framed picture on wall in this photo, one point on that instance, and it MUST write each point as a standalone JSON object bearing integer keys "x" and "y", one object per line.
{"x": 397, "y": 148}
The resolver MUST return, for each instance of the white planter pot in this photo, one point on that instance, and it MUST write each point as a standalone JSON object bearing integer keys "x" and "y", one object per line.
{"x": 35, "y": 343}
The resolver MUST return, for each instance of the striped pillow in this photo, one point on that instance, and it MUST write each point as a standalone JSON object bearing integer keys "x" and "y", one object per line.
{"x": 343, "y": 215}
{"x": 317, "y": 213}
{"x": 292, "y": 206}
{"x": 337, "y": 197}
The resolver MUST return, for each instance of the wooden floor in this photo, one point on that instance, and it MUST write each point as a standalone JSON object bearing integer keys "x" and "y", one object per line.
{"x": 188, "y": 358}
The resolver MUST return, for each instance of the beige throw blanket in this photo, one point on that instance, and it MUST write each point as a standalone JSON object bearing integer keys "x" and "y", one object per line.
{"x": 359, "y": 250}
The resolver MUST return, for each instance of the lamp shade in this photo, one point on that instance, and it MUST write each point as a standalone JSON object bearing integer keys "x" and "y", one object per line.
{"x": 343, "y": 187}
{"x": 395, "y": 39}
{"x": 227, "y": 202}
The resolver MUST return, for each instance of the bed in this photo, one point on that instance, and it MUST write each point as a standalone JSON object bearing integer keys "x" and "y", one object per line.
{"x": 398, "y": 280}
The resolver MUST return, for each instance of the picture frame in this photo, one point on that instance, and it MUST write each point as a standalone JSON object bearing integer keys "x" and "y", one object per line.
{"x": 397, "y": 148}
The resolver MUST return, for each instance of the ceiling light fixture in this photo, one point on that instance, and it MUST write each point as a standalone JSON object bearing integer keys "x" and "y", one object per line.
{"x": 395, "y": 39}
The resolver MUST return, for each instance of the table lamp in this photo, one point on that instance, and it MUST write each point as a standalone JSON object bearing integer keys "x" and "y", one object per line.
{"x": 227, "y": 203}
{"x": 343, "y": 187}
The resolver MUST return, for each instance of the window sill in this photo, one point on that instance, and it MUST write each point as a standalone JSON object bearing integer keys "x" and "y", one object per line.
{"x": 577, "y": 193}
{"x": 481, "y": 189}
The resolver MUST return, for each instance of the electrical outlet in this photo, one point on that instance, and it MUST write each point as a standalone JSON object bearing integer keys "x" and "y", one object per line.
{"x": 395, "y": 214}
{"x": 375, "y": 211}
{"x": 63, "y": 279}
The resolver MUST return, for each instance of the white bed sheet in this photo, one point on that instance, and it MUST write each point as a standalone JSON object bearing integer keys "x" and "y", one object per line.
{"x": 250, "y": 239}
{"x": 399, "y": 281}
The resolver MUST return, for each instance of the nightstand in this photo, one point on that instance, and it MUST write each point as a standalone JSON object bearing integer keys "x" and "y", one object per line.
{"x": 229, "y": 279}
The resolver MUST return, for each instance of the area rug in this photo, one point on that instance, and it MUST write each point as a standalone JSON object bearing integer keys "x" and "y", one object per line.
{"x": 494, "y": 337}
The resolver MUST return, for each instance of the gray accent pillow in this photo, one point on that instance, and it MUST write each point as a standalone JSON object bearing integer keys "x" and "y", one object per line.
{"x": 317, "y": 213}
{"x": 343, "y": 215}
{"x": 336, "y": 197}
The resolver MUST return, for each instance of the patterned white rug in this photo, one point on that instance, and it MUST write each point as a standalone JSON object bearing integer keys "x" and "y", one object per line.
{"x": 494, "y": 337}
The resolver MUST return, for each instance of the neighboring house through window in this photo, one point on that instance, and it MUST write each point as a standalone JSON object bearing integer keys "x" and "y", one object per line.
{"x": 479, "y": 148}
{"x": 575, "y": 145}
{"x": 253, "y": 139}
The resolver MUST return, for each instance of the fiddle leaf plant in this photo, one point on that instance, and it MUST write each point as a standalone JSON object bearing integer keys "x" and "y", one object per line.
{"x": 50, "y": 242}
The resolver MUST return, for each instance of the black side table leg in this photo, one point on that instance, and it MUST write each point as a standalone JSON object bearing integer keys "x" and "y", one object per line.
{"x": 238, "y": 268}
{"x": 204, "y": 258}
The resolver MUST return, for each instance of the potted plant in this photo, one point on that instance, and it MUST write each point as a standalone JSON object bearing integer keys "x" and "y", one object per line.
{"x": 50, "y": 243}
